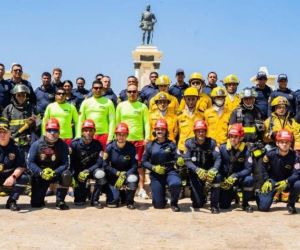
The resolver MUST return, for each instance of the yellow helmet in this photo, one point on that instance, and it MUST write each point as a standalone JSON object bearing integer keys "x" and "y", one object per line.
{"x": 163, "y": 80}
{"x": 279, "y": 100}
{"x": 191, "y": 91}
{"x": 218, "y": 91}
{"x": 231, "y": 79}
{"x": 196, "y": 76}
{"x": 161, "y": 96}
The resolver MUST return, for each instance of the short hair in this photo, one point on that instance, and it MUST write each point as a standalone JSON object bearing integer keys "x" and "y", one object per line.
{"x": 132, "y": 77}
{"x": 153, "y": 72}
{"x": 107, "y": 77}
{"x": 67, "y": 81}
{"x": 16, "y": 65}
{"x": 80, "y": 78}
{"x": 96, "y": 82}
{"x": 99, "y": 74}
{"x": 46, "y": 74}
{"x": 60, "y": 89}
{"x": 57, "y": 69}
{"x": 212, "y": 72}
{"x": 1, "y": 64}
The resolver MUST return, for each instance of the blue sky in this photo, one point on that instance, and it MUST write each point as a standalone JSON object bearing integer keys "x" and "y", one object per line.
{"x": 88, "y": 37}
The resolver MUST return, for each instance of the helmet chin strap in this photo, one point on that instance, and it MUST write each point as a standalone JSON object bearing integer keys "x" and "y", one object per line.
{"x": 248, "y": 107}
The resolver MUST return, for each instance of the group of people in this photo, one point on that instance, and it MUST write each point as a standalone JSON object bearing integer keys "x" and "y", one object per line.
{"x": 223, "y": 144}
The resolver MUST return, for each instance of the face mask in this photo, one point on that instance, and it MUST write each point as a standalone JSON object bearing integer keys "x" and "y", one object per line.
{"x": 219, "y": 102}
{"x": 248, "y": 106}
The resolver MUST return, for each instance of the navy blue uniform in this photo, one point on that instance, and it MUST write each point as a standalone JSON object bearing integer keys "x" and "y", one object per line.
{"x": 109, "y": 93}
{"x": 81, "y": 94}
{"x": 120, "y": 159}
{"x": 207, "y": 157}
{"x": 262, "y": 100}
{"x": 237, "y": 163}
{"x": 43, "y": 155}
{"x": 163, "y": 154}
{"x": 10, "y": 159}
{"x": 32, "y": 96}
{"x": 44, "y": 96}
{"x": 277, "y": 168}
{"x": 289, "y": 95}
{"x": 86, "y": 157}
{"x": 178, "y": 91}
{"x": 297, "y": 105}
{"x": 147, "y": 93}
{"x": 5, "y": 96}
{"x": 208, "y": 88}
{"x": 74, "y": 100}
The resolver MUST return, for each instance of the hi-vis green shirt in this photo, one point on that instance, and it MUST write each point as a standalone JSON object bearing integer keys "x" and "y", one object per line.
{"x": 102, "y": 111}
{"x": 136, "y": 116}
{"x": 67, "y": 116}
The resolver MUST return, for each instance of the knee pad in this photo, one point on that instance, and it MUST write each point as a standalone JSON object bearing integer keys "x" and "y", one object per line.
{"x": 99, "y": 175}
{"x": 132, "y": 181}
{"x": 66, "y": 178}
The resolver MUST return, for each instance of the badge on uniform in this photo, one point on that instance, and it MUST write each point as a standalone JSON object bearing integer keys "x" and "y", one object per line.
{"x": 241, "y": 159}
{"x": 11, "y": 156}
{"x": 167, "y": 150}
{"x": 1, "y": 167}
{"x": 297, "y": 166}
{"x": 42, "y": 157}
{"x": 105, "y": 156}
{"x": 53, "y": 157}
{"x": 265, "y": 159}
{"x": 288, "y": 166}
{"x": 127, "y": 157}
{"x": 250, "y": 160}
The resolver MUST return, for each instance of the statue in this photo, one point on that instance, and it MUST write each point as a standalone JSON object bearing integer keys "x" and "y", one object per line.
{"x": 148, "y": 20}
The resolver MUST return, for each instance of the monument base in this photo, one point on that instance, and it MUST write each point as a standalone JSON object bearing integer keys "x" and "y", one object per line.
{"x": 146, "y": 58}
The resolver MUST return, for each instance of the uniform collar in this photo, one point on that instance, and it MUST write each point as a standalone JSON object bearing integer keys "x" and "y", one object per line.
{"x": 240, "y": 148}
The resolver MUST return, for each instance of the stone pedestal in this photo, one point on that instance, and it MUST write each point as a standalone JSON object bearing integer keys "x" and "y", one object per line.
{"x": 146, "y": 58}
{"x": 271, "y": 78}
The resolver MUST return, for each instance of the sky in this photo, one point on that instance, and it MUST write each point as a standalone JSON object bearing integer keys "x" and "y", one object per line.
{"x": 86, "y": 37}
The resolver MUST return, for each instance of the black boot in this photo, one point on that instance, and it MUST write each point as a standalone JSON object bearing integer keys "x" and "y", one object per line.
{"x": 12, "y": 205}
{"x": 291, "y": 208}
{"x": 61, "y": 205}
{"x": 247, "y": 207}
{"x": 215, "y": 210}
{"x": 96, "y": 204}
{"x": 175, "y": 208}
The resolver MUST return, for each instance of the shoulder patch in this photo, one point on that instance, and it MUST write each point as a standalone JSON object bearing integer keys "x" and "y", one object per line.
{"x": 265, "y": 159}
{"x": 105, "y": 155}
{"x": 297, "y": 166}
{"x": 250, "y": 160}
{"x": 217, "y": 149}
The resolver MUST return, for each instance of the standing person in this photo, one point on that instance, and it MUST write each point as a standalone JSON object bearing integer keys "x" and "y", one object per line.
{"x": 281, "y": 171}
{"x": 180, "y": 86}
{"x": 212, "y": 79}
{"x": 48, "y": 162}
{"x": 70, "y": 97}
{"x": 65, "y": 113}
{"x": 232, "y": 100}
{"x": 204, "y": 171}
{"x": 45, "y": 94}
{"x": 56, "y": 78}
{"x": 81, "y": 92}
{"x": 160, "y": 156}
{"x": 5, "y": 88}
{"x": 121, "y": 168}
{"x": 237, "y": 166}
{"x": 101, "y": 110}
{"x": 149, "y": 90}
{"x": 123, "y": 93}
{"x": 12, "y": 167}
{"x": 17, "y": 72}
{"x": 107, "y": 90}
{"x": 135, "y": 114}
{"x": 263, "y": 93}
{"x": 87, "y": 163}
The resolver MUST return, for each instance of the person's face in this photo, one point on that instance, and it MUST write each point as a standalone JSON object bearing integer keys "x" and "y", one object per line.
{"x": 212, "y": 79}
{"x": 249, "y": 101}
{"x": 163, "y": 88}
{"x": 160, "y": 133}
{"x": 280, "y": 110}
{"x": 153, "y": 78}
{"x": 60, "y": 96}
{"x": 132, "y": 93}
{"x": 97, "y": 90}
{"x": 68, "y": 88}
{"x": 88, "y": 134}
{"x": 162, "y": 105}
{"x": 284, "y": 145}
{"x": 180, "y": 77}
{"x": 282, "y": 84}
{"x": 4, "y": 137}
{"x": 132, "y": 80}
{"x": 219, "y": 101}
{"x": 191, "y": 101}
{"x": 121, "y": 137}
{"x": 106, "y": 82}
{"x": 46, "y": 80}
{"x": 80, "y": 84}
{"x": 261, "y": 83}
{"x": 200, "y": 135}
{"x": 231, "y": 88}
{"x": 2, "y": 71}
{"x": 57, "y": 75}
{"x": 234, "y": 140}
{"x": 197, "y": 84}
{"x": 52, "y": 135}
{"x": 17, "y": 72}
{"x": 21, "y": 98}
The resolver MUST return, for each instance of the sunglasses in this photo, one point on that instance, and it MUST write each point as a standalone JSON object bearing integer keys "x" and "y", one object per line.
{"x": 97, "y": 88}
{"x": 52, "y": 131}
{"x": 17, "y": 70}
{"x": 196, "y": 83}
{"x": 60, "y": 93}
{"x": 131, "y": 91}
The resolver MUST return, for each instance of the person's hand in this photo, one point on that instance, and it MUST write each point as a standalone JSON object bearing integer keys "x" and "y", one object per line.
{"x": 83, "y": 175}
{"x": 266, "y": 187}
{"x": 280, "y": 186}
{"x": 47, "y": 174}
{"x": 201, "y": 174}
{"x": 159, "y": 169}
{"x": 121, "y": 179}
{"x": 211, "y": 175}
{"x": 180, "y": 161}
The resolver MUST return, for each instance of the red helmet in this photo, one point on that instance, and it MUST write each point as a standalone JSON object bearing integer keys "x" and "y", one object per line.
{"x": 237, "y": 129}
{"x": 122, "y": 128}
{"x": 161, "y": 123}
{"x": 52, "y": 123}
{"x": 284, "y": 135}
{"x": 88, "y": 123}
{"x": 200, "y": 124}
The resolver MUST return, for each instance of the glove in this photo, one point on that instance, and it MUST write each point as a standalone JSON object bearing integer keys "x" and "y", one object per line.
{"x": 47, "y": 174}
{"x": 74, "y": 183}
{"x": 201, "y": 174}
{"x": 83, "y": 175}
{"x": 211, "y": 175}
{"x": 159, "y": 169}
{"x": 229, "y": 181}
{"x": 266, "y": 187}
{"x": 121, "y": 179}
{"x": 281, "y": 186}
{"x": 224, "y": 185}
{"x": 180, "y": 161}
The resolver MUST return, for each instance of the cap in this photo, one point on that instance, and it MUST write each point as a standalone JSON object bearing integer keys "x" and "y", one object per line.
{"x": 282, "y": 77}
{"x": 261, "y": 75}
{"x": 179, "y": 71}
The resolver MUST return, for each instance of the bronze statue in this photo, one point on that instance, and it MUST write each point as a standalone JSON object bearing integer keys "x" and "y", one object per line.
{"x": 148, "y": 20}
